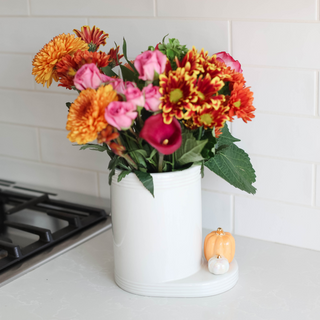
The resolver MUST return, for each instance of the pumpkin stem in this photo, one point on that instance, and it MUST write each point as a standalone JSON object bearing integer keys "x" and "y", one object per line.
{"x": 220, "y": 231}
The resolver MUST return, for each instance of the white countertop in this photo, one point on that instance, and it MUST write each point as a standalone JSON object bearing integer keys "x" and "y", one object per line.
{"x": 275, "y": 282}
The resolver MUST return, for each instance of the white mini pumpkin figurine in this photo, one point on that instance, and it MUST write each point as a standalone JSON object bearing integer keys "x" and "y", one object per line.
{"x": 218, "y": 265}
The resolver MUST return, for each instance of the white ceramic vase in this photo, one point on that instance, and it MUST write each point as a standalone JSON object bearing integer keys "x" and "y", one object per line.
{"x": 156, "y": 240}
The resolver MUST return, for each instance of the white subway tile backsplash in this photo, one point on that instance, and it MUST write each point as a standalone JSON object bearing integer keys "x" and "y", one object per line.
{"x": 100, "y": 8}
{"x": 19, "y": 141}
{"x": 293, "y": 91}
{"x": 141, "y": 33}
{"x": 277, "y": 44}
{"x": 283, "y": 180}
{"x": 278, "y": 222}
{"x": 104, "y": 187}
{"x": 34, "y": 108}
{"x": 213, "y": 182}
{"x": 244, "y": 9}
{"x": 216, "y": 211}
{"x": 57, "y": 149}
{"x": 15, "y": 71}
{"x": 280, "y": 136}
{"x": 29, "y": 35}
{"x": 13, "y": 7}
{"x": 317, "y": 185}
{"x": 49, "y": 176}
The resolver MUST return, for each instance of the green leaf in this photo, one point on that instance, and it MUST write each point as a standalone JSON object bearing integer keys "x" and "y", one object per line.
{"x": 124, "y": 51}
{"x": 108, "y": 72}
{"x": 208, "y": 150}
{"x": 112, "y": 167}
{"x": 225, "y": 90}
{"x": 123, "y": 174}
{"x": 233, "y": 165}
{"x": 95, "y": 147}
{"x": 146, "y": 180}
{"x": 190, "y": 150}
{"x": 68, "y": 104}
{"x": 226, "y": 138}
{"x": 127, "y": 74}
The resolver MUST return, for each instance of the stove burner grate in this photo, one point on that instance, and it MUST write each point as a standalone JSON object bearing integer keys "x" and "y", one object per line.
{"x": 75, "y": 217}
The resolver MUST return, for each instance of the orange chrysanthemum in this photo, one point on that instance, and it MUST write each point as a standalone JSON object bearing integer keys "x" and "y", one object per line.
{"x": 178, "y": 95}
{"x": 207, "y": 91}
{"x": 115, "y": 56}
{"x": 95, "y": 36}
{"x": 192, "y": 62}
{"x": 108, "y": 134}
{"x": 46, "y": 59}
{"x": 68, "y": 65}
{"x": 210, "y": 117}
{"x": 86, "y": 114}
{"x": 240, "y": 103}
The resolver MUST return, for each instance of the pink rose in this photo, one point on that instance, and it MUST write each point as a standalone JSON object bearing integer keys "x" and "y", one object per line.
{"x": 134, "y": 95}
{"x": 166, "y": 138}
{"x": 152, "y": 96}
{"x": 229, "y": 61}
{"x": 88, "y": 76}
{"x": 117, "y": 84}
{"x": 130, "y": 84}
{"x": 149, "y": 62}
{"x": 120, "y": 114}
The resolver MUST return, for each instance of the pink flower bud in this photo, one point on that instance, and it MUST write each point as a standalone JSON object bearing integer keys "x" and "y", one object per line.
{"x": 120, "y": 114}
{"x": 134, "y": 95}
{"x": 229, "y": 61}
{"x": 152, "y": 97}
{"x": 149, "y": 62}
{"x": 88, "y": 76}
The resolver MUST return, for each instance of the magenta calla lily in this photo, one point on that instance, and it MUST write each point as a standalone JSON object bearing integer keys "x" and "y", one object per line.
{"x": 166, "y": 138}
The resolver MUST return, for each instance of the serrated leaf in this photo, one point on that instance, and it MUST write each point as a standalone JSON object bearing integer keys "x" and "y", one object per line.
{"x": 233, "y": 165}
{"x": 207, "y": 151}
{"x": 146, "y": 179}
{"x": 190, "y": 150}
{"x": 226, "y": 138}
{"x": 123, "y": 174}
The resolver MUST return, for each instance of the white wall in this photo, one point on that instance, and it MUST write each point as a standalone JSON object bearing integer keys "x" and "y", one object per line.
{"x": 278, "y": 44}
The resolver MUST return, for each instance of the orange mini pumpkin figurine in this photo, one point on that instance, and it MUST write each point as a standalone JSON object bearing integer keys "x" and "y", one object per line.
{"x": 219, "y": 243}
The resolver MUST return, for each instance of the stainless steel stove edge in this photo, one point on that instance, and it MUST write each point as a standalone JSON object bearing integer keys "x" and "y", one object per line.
{"x": 34, "y": 262}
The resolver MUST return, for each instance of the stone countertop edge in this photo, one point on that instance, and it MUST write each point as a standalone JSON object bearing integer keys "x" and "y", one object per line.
{"x": 275, "y": 282}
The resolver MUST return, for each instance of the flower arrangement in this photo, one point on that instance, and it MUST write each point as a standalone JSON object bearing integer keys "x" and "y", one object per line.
{"x": 166, "y": 112}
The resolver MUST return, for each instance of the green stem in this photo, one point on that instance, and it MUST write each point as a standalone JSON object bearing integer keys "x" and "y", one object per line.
{"x": 173, "y": 162}
{"x": 161, "y": 155}
{"x": 200, "y": 133}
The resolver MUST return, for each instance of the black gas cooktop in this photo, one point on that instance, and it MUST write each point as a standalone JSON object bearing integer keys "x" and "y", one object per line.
{"x": 31, "y": 221}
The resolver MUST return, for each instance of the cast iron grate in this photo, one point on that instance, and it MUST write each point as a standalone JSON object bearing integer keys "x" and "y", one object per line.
{"x": 76, "y": 217}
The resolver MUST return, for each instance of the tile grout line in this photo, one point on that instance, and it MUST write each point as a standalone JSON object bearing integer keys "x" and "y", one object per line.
{"x": 32, "y": 126}
{"x": 50, "y": 164}
{"x": 39, "y": 144}
{"x": 28, "y": 7}
{"x": 263, "y": 199}
{"x": 155, "y": 11}
{"x": 38, "y": 91}
{"x": 314, "y": 185}
{"x": 230, "y": 37}
{"x": 195, "y": 18}
{"x": 316, "y": 94}
{"x": 232, "y": 204}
